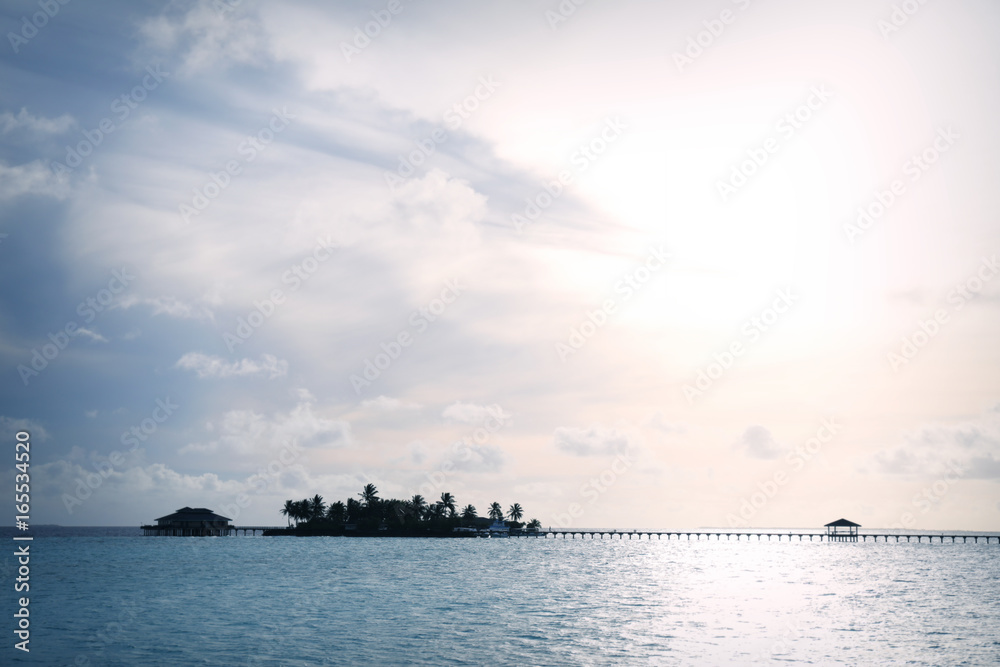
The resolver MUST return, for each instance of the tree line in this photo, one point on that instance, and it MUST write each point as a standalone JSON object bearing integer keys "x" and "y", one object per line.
{"x": 369, "y": 512}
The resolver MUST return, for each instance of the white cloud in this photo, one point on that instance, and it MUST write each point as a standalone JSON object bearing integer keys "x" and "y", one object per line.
{"x": 34, "y": 124}
{"x": 91, "y": 334}
{"x": 660, "y": 423}
{"x": 389, "y": 404}
{"x": 10, "y": 426}
{"x": 474, "y": 413}
{"x": 208, "y": 366}
{"x": 33, "y": 178}
{"x": 593, "y": 441}
{"x": 168, "y": 305}
{"x": 972, "y": 446}
{"x": 481, "y": 458}
{"x": 758, "y": 443}
{"x": 245, "y": 432}
{"x": 208, "y": 37}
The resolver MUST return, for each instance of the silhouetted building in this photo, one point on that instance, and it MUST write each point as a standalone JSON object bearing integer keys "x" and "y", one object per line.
{"x": 842, "y": 530}
{"x": 190, "y": 522}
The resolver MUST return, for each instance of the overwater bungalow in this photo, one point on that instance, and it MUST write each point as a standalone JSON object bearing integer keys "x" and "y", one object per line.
{"x": 190, "y": 522}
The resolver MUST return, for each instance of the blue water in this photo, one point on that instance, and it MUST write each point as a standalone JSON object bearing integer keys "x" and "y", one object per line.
{"x": 115, "y": 599}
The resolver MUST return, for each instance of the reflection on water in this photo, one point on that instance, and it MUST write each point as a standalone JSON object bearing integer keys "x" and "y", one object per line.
{"x": 326, "y": 601}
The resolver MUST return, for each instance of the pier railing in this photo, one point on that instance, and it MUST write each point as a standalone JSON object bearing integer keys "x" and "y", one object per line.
{"x": 569, "y": 533}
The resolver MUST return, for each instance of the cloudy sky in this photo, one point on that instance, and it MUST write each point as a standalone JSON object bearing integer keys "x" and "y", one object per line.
{"x": 629, "y": 264}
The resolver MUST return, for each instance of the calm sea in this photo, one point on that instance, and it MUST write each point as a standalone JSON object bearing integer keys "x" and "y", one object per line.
{"x": 110, "y": 597}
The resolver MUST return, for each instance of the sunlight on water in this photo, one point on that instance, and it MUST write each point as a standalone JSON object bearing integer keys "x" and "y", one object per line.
{"x": 337, "y": 601}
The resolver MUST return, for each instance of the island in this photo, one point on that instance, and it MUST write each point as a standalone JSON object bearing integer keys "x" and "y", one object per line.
{"x": 371, "y": 516}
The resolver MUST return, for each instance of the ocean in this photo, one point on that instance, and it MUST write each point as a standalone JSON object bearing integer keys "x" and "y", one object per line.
{"x": 107, "y": 596}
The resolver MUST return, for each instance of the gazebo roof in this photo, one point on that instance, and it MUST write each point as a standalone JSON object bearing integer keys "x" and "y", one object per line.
{"x": 842, "y": 522}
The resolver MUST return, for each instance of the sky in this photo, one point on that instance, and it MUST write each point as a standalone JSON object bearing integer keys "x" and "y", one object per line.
{"x": 629, "y": 264}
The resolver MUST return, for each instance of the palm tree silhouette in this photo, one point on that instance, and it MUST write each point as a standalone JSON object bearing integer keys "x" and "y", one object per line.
{"x": 289, "y": 510}
{"x": 369, "y": 495}
{"x": 316, "y": 507}
{"x": 353, "y": 510}
{"x": 469, "y": 512}
{"x": 534, "y": 524}
{"x": 336, "y": 512}
{"x": 515, "y": 512}
{"x": 301, "y": 510}
{"x": 496, "y": 512}
{"x": 448, "y": 502}
{"x": 419, "y": 506}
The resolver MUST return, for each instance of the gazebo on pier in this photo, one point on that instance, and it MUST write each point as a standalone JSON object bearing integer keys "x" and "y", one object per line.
{"x": 842, "y": 530}
{"x": 190, "y": 522}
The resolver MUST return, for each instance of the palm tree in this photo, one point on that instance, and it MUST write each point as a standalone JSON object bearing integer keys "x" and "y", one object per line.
{"x": 301, "y": 510}
{"x": 448, "y": 502}
{"x": 369, "y": 495}
{"x": 336, "y": 511}
{"x": 496, "y": 512}
{"x": 317, "y": 508}
{"x": 353, "y": 510}
{"x": 418, "y": 505}
{"x": 515, "y": 512}
{"x": 534, "y": 524}
{"x": 469, "y": 512}
{"x": 289, "y": 510}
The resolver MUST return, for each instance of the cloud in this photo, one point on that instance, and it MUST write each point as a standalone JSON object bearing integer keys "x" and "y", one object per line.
{"x": 34, "y": 124}
{"x": 473, "y": 413}
{"x": 934, "y": 449}
{"x": 168, "y": 305}
{"x": 245, "y": 432}
{"x": 480, "y": 458}
{"x": 660, "y": 423}
{"x": 593, "y": 441}
{"x": 389, "y": 404}
{"x": 207, "y": 366}
{"x": 91, "y": 334}
{"x": 418, "y": 453}
{"x": 33, "y": 178}
{"x": 9, "y": 427}
{"x": 758, "y": 443}
{"x": 211, "y": 35}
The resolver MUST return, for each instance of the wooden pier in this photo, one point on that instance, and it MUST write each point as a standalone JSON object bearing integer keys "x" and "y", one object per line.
{"x": 777, "y": 536}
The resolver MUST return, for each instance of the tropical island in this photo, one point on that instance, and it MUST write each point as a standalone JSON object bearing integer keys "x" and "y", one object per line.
{"x": 368, "y": 515}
